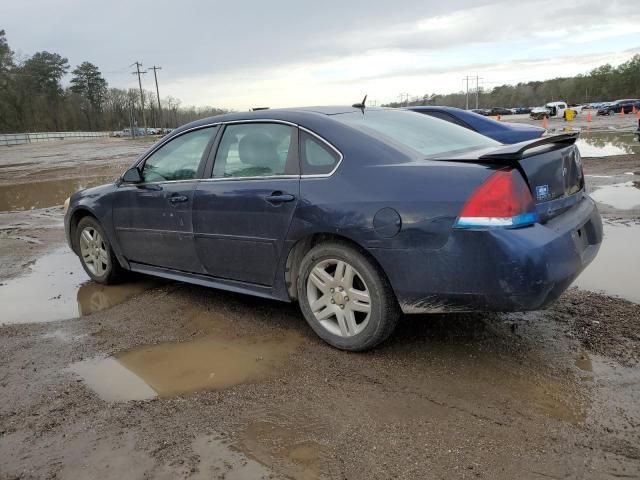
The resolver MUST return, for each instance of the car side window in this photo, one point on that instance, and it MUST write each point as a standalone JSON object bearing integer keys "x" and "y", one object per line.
{"x": 317, "y": 157}
{"x": 256, "y": 150}
{"x": 179, "y": 158}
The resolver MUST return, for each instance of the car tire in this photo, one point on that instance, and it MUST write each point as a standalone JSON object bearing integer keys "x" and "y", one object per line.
{"x": 355, "y": 323}
{"x": 95, "y": 252}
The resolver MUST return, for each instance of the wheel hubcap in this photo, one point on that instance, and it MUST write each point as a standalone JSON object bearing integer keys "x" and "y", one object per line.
{"x": 93, "y": 251}
{"x": 339, "y": 297}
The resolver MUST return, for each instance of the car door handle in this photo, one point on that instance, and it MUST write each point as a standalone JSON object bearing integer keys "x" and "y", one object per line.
{"x": 279, "y": 197}
{"x": 178, "y": 199}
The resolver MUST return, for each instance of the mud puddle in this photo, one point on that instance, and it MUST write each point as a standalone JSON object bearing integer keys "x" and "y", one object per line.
{"x": 48, "y": 193}
{"x": 623, "y": 196}
{"x": 300, "y": 456}
{"x": 55, "y": 287}
{"x": 219, "y": 459}
{"x": 615, "y": 268}
{"x": 170, "y": 369}
{"x": 606, "y": 144}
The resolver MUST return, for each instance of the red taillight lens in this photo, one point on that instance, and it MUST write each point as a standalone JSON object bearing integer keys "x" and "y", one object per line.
{"x": 504, "y": 200}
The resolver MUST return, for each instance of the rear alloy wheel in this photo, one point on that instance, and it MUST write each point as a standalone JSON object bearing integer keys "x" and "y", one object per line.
{"x": 95, "y": 252}
{"x": 345, "y": 298}
{"x": 339, "y": 297}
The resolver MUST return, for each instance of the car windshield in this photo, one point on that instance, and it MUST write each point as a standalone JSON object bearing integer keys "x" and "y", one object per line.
{"x": 424, "y": 134}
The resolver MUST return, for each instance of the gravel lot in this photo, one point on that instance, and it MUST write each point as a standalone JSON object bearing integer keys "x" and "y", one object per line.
{"x": 237, "y": 387}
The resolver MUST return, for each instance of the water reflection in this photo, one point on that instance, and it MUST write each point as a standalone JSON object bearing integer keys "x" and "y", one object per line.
{"x": 48, "y": 193}
{"x": 168, "y": 369}
{"x": 56, "y": 287}
{"x": 605, "y": 144}
{"x": 623, "y": 196}
{"x": 616, "y": 268}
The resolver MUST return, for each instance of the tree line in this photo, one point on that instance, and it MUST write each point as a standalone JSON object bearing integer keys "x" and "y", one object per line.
{"x": 32, "y": 98}
{"x": 604, "y": 83}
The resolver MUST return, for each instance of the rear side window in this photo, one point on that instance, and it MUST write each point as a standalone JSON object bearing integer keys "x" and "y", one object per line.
{"x": 256, "y": 150}
{"x": 423, "y": 134}
{"x": 317, "y": 158}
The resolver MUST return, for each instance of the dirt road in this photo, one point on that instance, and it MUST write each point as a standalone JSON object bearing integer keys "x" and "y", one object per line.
{"x": 165, "y": 380}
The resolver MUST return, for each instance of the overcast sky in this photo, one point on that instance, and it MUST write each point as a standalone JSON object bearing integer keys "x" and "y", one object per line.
{"x": 244, "y": 53}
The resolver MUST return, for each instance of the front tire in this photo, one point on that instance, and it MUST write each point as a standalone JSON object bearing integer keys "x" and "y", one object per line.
{"x": 346, "y": 298}
{"x": 95, "y": 252}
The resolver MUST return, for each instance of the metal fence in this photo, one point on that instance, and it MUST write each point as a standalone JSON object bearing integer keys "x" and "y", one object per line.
{"x": 19, "y": 138}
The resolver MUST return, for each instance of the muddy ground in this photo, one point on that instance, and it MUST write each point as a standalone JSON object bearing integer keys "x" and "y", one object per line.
{"x": 166, "y": 380}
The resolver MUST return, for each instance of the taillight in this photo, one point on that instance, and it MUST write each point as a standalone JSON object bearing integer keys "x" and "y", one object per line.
{"x": 503, "y": 200}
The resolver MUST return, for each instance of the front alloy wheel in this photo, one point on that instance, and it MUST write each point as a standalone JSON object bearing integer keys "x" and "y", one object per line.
{"x": 93, "y": 251}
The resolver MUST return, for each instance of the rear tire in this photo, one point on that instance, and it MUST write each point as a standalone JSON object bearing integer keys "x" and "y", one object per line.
{"x": 95, "y": 252}
{"x": 345, "y": 297}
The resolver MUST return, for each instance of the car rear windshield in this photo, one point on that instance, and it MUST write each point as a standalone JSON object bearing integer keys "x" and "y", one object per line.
{"x": 426, "y": 135}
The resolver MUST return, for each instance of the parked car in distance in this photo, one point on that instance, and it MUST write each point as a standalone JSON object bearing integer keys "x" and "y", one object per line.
{"x": 553, "y": 110}
{"x": 481, "y": 111}
{"x": 619, "y": 105}
{"x": 503, "y": 132}
{"x": 358, "y": 214}
{"x": 499, "y": 111}
{"x": 521, "y": 110}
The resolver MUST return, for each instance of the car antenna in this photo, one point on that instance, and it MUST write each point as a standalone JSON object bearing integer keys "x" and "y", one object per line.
{"x": 361, "y": 104}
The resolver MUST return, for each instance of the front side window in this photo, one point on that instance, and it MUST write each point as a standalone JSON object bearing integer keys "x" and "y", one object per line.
{"x": 179, "y": 159}
{"x": 317, "y": 157}
{"x": 424, "y": 134}
{"x": 255, "y": 150}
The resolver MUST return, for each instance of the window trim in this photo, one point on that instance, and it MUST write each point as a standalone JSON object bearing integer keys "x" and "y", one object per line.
{"x": 212, "y": 149}
{"x": 207, "y": 173}
{"x": 328, "y": 144}
{"x": 205, "y": 154}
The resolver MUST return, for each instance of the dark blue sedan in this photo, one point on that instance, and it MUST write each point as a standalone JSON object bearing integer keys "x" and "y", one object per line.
{"x": 358, "y": 214}
{"x": 503, "y": 132}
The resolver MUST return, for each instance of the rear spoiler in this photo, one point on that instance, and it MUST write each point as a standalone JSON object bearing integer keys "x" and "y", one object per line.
{"x": 516, "y": 150}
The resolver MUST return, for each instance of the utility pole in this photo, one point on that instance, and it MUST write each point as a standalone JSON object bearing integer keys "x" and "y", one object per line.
{"x": 155, "y": 76}
{"x": 138, "y": 72}
{"x": 467, "y": 79}
{"x": 404, "y": 97}
{"x": 477, "y": 90}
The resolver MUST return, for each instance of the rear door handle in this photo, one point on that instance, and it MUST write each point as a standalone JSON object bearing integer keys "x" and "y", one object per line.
{"x": 178, "y": 199}
{"x": 279, "y": 197}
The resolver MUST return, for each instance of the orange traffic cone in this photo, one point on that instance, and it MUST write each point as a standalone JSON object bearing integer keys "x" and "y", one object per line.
{"x": 622, "y": 111}
{"x": 638, "y": 114}
{"x": 634, "y": 110}
{"x": 545, "y": 123}
{"x": 588, "y": 117}
{"x": 498, "y": 117}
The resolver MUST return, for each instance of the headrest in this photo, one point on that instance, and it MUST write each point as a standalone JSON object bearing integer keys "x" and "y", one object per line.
{"x": 257, "y": 149}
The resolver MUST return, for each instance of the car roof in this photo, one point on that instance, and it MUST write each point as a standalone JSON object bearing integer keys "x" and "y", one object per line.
{"x": 293, "y": 115}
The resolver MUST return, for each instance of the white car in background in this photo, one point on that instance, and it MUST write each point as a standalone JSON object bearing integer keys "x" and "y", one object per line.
{"x": 553, "y": 110}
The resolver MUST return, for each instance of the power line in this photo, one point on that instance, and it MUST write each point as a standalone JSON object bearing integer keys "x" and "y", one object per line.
{"x": 155, "y": 75}
{"x": 138, "y": 72}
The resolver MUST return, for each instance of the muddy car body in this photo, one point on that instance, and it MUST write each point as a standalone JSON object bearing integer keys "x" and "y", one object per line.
{"x": 358, "y": 214}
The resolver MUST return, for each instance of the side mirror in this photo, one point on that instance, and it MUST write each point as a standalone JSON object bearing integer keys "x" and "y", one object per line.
{"x": 132, "y": 176}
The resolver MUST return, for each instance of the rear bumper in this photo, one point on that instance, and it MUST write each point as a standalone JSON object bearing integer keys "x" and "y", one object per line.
{"x": 496, "y": 270}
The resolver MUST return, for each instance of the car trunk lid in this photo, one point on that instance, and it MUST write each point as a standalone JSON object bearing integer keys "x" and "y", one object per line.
{"x": 551, "y": 166}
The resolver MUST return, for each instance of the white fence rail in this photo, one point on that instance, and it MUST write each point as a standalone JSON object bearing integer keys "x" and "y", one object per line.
{"x": 19, "y": 138}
